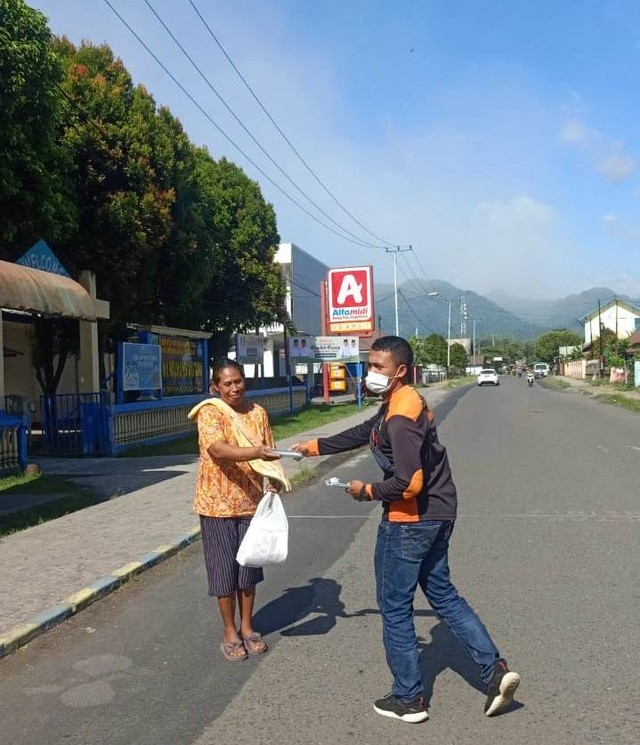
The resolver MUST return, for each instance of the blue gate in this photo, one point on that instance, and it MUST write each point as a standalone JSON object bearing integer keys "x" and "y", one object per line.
{"x": 75, "y": 424}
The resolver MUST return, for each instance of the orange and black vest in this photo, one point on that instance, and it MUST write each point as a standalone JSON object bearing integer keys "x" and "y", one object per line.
{"x": 417, "y": 483}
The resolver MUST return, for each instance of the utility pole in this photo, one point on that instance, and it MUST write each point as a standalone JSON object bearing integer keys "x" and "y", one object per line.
{"x": 463, "y": 318}
{"x": 395, "y": 251}
{"x": 474, "y": 343}
{"x": 449, "y": 340}
{"x": 601, "y": 362}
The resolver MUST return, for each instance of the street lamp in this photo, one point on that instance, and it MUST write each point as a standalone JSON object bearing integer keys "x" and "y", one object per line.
{"x": 435, "y": 293}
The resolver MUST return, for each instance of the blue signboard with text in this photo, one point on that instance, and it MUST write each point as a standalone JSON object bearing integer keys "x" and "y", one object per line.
{"x": 141, "y": 367}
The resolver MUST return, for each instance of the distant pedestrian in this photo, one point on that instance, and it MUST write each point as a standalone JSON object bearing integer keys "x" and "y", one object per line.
{"x": 419, "y": 504}
{"x": 234, "y": 438}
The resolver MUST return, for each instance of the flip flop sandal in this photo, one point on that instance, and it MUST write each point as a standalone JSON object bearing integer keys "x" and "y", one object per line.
{"x": 228, "y": 649}
{"x": 254, "y": 643}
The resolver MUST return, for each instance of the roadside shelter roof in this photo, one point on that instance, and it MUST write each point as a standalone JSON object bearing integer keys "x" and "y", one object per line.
{"x": 34, "y": 291}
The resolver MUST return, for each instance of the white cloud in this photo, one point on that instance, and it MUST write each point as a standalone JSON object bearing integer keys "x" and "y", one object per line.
{"x": 617, "y": 166}
{"x": 575, "y": 132}
{"x": 520, "y": 213}
{"x": 609, "y": 157}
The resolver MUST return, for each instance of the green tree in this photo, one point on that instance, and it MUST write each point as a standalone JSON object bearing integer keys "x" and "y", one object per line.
{"x": 122, "y": 163}
{"x": 34, "y": 197}
{"x": 246, "y": 289}
{"x": 430, "y": 350}
{"x": 459, "y": 358}
{"x": 547, "y": 344}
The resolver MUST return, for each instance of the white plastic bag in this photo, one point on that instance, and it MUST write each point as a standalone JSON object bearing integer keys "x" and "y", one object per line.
{"x": 267, "y": 539}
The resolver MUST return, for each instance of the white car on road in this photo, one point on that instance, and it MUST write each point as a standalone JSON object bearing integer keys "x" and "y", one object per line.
{"x": 541, "y": 370}
{"x": 488, "y": 377}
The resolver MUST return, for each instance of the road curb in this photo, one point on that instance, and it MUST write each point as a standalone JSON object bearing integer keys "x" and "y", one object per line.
{"x": 25, "y": 632}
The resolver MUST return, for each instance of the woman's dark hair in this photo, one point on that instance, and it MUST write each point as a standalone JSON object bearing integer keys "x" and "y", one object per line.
{"x": 399, "y": 348}
{"x": 220, "y": 364}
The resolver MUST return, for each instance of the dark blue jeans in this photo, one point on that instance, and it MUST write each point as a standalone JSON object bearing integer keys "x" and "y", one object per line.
{"x": 412, "y": 554}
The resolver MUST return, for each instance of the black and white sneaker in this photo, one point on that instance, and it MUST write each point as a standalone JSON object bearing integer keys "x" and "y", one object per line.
{"x": 412, "y": 711}
{"x": 501, "y": 689}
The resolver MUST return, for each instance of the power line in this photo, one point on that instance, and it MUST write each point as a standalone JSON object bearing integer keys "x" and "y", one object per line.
{"x": 82, "y": 110}
{"x": 222, "y": 100}
{"x": 283, "y": 135}
{"x": 300, "y": 286}
{"x": 415, "y": 315}
{"x": 195, "y": 102}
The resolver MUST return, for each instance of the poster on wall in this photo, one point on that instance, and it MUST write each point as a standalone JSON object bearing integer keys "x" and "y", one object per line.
{"x": 182, "y": 370}
{"x": 141, "y": 367}
{"x": 636, "y": 373}
{"x": 324, "y": 349}
{"x": 250, "y": 348}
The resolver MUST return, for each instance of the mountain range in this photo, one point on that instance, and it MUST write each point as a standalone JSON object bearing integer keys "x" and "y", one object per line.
{"x": 425, "y": 306}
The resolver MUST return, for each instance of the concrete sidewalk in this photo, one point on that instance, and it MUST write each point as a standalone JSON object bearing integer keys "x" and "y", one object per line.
{"x": 587, "y": 388}
{"x": 53, "y": 570}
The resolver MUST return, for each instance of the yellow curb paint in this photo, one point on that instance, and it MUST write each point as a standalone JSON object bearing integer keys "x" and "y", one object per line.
{"x": 81, "y": 597}
{"x": 128, "y": 569}
{"x": 163, "y": 549}
{"x": 23, "y": 633}
{"x": 17, "y": 633}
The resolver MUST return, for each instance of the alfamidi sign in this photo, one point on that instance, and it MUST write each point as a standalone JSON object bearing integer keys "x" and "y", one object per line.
{"x": 350, "y": 301}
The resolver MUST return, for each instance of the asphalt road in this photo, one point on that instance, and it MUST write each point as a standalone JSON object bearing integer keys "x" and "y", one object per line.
{"x": 546, "y": 549}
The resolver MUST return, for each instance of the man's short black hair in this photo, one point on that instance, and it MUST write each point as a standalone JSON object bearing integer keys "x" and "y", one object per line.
{"x": 399, "y": 348}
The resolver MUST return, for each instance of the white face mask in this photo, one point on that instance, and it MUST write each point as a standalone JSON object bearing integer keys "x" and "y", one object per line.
{"x": 377, "y": 382}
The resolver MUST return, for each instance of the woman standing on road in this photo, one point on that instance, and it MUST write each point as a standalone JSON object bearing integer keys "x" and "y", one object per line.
{"x": 234, "y": 438}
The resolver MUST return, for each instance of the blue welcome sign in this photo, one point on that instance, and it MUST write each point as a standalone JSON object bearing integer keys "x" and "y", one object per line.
{"x": 40, "y": 256}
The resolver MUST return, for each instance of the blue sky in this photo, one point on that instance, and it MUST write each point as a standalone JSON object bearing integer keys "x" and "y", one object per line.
{"x": 500, "y": 138}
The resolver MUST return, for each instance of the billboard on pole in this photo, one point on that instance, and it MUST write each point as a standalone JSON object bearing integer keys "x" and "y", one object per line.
{"x": 350, "y": 300}
{"x": 250, "y": 349}
{"x": 324, "y": 349}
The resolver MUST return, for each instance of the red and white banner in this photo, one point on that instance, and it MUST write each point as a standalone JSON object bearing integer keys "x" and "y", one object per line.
{"x": 350, "y": 302}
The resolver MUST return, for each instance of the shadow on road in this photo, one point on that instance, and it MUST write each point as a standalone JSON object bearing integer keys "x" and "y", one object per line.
{"x": 443, "y": 652}
{"x": 296, "y": 603}
{"x": 320, "y": 596}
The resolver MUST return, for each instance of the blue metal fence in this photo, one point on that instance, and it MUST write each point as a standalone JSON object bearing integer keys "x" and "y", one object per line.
{"x": 75, "y": 424}
{"x": 88, "y": 424}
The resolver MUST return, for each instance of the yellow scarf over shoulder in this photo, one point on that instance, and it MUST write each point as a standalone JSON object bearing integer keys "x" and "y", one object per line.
{"x": 271, "y": 469}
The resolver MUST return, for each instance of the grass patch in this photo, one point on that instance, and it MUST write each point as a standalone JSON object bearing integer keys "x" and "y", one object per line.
{"x": 302, "y": 476}
{"x": 70, "y": 498}
{"x": 462, "y": 381}
{"x": 181, "y": 446}
{"x": 633, "y": 404}
{"x": 309, "y": 418}
{"x": 18, "y": 484}
{"x": 558, "y": 382}
{"x": 284, "y": 425}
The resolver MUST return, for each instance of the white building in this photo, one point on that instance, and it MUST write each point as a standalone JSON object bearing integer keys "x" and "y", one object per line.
{"x": 619, "y": 316}
{"x": 302, "y": 275}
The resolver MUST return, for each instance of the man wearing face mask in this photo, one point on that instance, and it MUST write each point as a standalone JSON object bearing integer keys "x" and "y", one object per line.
{"x": 419, "y": 504}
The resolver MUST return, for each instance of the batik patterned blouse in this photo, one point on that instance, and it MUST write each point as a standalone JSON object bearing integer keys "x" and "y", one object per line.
{"x": 225, "y": 488}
